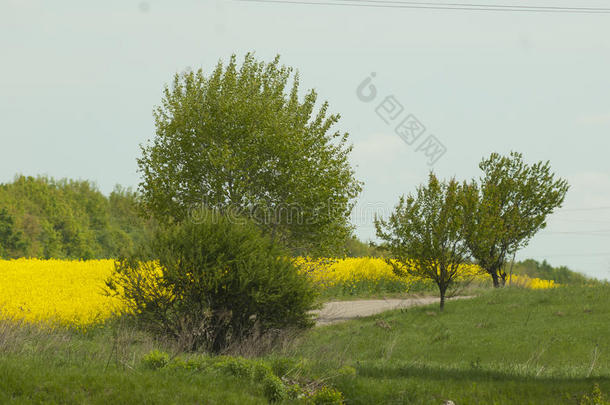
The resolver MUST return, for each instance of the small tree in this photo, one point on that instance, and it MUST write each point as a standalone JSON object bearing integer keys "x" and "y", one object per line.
{"x": 508, "y": 208}
{"x": 240, "y": 140}
{"x": 424, "y": 235}
{"x": 213, "y": 284}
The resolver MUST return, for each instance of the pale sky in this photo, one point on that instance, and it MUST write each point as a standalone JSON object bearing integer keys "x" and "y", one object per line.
{"x": 79, "y": 80}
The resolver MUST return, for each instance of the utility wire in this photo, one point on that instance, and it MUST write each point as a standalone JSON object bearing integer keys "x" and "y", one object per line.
{"x": 441, "y": 6}
{"x": 501, "y": 6}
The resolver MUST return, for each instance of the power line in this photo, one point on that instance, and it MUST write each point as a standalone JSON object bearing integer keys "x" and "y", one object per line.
{"x": 499, "y": 6}
{"x": 440, "y": 6}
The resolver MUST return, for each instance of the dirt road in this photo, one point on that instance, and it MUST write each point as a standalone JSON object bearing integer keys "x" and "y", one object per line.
{"x": 338, "y": 311}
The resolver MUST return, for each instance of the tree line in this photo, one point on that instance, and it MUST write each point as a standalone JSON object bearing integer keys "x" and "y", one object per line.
{"x": 41, "y": 217}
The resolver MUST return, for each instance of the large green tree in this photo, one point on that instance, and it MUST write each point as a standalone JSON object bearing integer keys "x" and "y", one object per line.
{"x": 242, "y": 142}
{"x": 507, "y": 207}
{"x": 424, "y": 234}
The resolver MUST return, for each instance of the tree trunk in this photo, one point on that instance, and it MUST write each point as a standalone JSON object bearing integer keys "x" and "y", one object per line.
{"x": 503, "y": 279}
{"x": 496, "y": 279}
{"x": 442, "y": 291}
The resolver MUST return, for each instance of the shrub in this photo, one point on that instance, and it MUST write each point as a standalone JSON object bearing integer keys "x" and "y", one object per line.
{"x": 260, "y": 371}
{"x": 156, "y": 359}
{"x": 327, "y": 396}
{"x": 236, "y": 366}
{"x": 273, "y": 388}
{"x": 595, "y": 398}
{"x": 213, "y": 284}
{"x": 295, "y": 391}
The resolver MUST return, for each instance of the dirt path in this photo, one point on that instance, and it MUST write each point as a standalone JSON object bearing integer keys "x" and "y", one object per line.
{"x": 339, "y": 311}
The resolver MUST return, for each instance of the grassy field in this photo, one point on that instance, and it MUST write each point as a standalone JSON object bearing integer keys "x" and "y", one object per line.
{"x": 103, "y": 367}
{"x": 509, "y": 346}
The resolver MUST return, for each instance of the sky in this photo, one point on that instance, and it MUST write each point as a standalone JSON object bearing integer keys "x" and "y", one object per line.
{"x": 79, "y": 81}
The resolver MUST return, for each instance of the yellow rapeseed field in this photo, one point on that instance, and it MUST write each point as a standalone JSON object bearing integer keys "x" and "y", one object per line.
{"x": 373, "y": 271}
{"x": 71, "y": 293}
{"x": 527, "y": 282}
{"x": 56, "y": 291}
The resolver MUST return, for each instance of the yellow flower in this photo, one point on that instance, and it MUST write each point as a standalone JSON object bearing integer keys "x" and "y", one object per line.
{"x": 56, "y": 291}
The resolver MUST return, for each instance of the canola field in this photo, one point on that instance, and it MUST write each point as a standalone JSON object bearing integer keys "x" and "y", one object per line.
{"x": 71, "y": 293}
{"x": 65, "y": 292}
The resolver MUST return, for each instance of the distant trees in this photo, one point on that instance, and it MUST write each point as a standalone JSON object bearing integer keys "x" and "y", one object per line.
{"x": 242, "y": 142}
{"x": 507, "y": 207}
{"x": 424, "y": 234}
{"x": 354, "y": 247}
{"x": 545, "y": 271}
{"x": 11, "y": 242}
{"x": 72, "y": 219}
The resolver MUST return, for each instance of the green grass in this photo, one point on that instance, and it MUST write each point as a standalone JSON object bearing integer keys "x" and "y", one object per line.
{"x": 507, "y": 346}
{"x": 33, "y": 381}
{"x": 393, "y": 289}
{"x": 104, "y": 367}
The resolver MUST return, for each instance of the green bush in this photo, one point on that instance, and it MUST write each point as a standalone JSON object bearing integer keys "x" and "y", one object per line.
{"x": 156, "y": 359}
{"x": 236, "y": 366}
{"x": 327, "y": 396}
{"x": 260, "y": 371}
{"x": 220, "y": 282}
{"x": 295, "y": 391}
{"x": 595, "y": 398}
{"x": 273, "y": 388}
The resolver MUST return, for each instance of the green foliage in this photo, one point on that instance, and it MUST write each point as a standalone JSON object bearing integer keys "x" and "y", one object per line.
{"x": 11, "y": 242}
{"x": 219, "y": 282}
{"x": 595, "y": 398}
{"x": 295, "y": 391}
{"x": 508, "y": 208}
{"x": 327, "y": 396}
{"x": 356, "y": 248}
{"x": 236, "y": 366}
{"x": 424, "y": 235}
{"x": 254, "y": 370}
{"x": 156, "y": 359}
{"x": 67, "y": 219}
{"x": 260, "y": 370}
{"x": 273, "y": 388}
{"x": 240, "y": 141}
{"x": 545, "y": 271}
{"x": 347, "y": 371}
